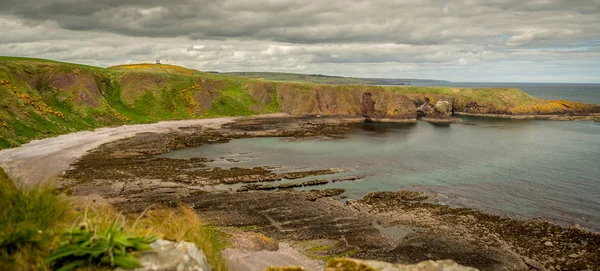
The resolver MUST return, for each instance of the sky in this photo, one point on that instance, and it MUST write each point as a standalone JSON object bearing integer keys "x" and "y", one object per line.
{"x": 463, "y": 41}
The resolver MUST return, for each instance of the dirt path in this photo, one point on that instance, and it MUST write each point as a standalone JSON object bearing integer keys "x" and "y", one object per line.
{"x": 40, "y": 161}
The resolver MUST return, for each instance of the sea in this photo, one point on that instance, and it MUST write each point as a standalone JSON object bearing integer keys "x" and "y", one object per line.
{"x": 519, "y": 168}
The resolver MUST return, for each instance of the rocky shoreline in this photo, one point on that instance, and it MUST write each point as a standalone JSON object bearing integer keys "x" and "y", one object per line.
{"x": 400, "y": 226}
{"x": 594, "y": 116}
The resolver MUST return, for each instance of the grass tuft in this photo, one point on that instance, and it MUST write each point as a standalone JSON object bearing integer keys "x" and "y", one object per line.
{"x": 29, "y": 220}
{"x": 183, "y": 224}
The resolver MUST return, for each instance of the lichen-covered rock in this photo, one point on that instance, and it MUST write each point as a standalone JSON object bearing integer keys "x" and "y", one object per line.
{"x": 443, "y": 108}
{"x": 262, "y": 242}
{"x": 433, "y": 106}
{"x": 168, "y": 256}
{"x": 346, "y": 264}
{"x": 285, "y": 268}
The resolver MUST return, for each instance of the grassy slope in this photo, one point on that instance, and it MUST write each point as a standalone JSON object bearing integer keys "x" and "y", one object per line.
{"x": 32, "y": 106}
{"x": 42, "y": 98}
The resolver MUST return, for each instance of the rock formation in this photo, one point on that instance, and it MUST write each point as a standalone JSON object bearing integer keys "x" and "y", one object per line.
{"x": 167, "y": 256}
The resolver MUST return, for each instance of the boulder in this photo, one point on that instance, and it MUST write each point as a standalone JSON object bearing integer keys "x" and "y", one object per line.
{"x": 433, "y": 106}
{"x": 167, "y": 255}
{"x": 443, "y": 109}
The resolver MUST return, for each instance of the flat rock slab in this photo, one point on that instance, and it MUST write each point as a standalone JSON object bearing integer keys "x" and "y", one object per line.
{"x": 286, "y": 255}
{"x": 168, "y": 256}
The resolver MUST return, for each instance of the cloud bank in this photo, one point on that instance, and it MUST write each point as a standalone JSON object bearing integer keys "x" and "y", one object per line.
{"x": 477, "y": 40}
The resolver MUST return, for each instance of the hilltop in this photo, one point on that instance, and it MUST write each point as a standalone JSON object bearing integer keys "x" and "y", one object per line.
{"x": 329, "y": 79}
{"x": 42, "y": 98}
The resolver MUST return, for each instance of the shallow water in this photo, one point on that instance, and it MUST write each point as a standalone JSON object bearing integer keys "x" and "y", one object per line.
{"x": 530, "y": 168}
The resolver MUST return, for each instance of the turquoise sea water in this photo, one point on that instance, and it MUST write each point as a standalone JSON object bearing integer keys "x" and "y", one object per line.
{"x": 527, "y": 168}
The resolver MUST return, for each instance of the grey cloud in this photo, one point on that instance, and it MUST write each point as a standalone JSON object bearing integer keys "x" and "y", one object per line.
{"x": 455, "y": 40}
{"x": 327, "y": 21}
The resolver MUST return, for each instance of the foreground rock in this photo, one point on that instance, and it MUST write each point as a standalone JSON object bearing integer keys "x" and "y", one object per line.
{"x": 168, "y": 256}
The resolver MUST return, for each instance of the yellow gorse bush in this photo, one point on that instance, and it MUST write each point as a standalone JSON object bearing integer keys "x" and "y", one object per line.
{"x": 35, "y": 103}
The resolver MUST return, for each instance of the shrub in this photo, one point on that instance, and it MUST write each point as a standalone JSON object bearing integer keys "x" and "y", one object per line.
{"x": 87, "y": 245}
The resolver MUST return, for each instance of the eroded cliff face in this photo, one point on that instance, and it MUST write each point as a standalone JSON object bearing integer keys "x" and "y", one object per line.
{"x": 385, "y": 106}
{"x": 356, "y": 101}
{"x": 82, "y": 87}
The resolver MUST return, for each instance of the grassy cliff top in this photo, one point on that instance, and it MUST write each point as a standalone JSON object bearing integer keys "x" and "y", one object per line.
{"x": 326, "y": 79}
{"x": 156, "y": 68}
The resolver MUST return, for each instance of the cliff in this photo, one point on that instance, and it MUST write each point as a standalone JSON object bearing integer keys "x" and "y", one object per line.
{"x": 42, "y": 98}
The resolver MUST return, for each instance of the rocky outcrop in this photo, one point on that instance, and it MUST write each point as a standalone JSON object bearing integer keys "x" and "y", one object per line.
{"x": 207, "y": 94}
{"x": 434, "y": 106}
{"x": 393, "y": 107}
{"x": 79, "y": 86}
{"x": 166, "y": 256}
{"x": 84, "y": 87}
{"x": 373, "y": 104}
{"x": 261, "y": 91}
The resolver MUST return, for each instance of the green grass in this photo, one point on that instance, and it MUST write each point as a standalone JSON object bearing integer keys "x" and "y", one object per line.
{"x": 324, "y": 79}
{"x": 30, "y": 60}
{"x": 29, "y": 221}
{"x": 294, "y": 77}
{"x": 324, "y": 250}
{"x": 33, "y": 222}
{"x": 233, "y": 102}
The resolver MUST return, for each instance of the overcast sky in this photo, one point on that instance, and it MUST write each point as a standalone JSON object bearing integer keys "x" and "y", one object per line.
{"x": 476, "y": 40}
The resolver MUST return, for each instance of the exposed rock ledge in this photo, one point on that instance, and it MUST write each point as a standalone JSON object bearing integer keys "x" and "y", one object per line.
{"x": 167, "y": 256}
{"x": 356, "y": 265}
